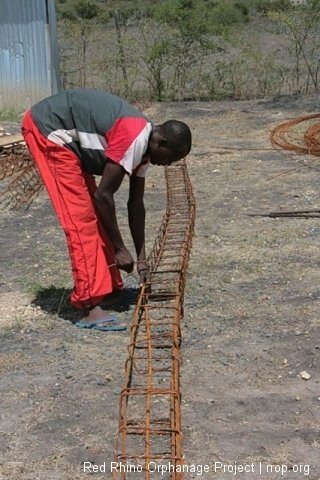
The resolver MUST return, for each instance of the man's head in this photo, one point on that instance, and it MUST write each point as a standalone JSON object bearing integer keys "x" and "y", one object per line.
{"x": 169, "y": 142}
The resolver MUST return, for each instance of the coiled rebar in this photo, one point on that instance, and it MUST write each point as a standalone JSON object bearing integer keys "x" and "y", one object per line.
{"x": 289, "y": 137}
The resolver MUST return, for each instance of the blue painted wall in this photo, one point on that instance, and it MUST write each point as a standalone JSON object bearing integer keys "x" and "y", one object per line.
{"x": 29, "y": 59}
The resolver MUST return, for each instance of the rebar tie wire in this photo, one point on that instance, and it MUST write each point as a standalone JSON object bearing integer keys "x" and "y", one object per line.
{"x": 150, "y": 402}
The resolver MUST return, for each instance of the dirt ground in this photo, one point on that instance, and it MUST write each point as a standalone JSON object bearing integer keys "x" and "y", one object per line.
{"x": 251, "y": 324}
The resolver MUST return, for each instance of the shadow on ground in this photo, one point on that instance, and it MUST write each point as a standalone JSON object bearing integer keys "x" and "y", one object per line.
{"x": 56, "y": 301}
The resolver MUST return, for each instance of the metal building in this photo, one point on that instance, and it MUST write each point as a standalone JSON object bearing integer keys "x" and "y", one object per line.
{"x": 29, "y": 59}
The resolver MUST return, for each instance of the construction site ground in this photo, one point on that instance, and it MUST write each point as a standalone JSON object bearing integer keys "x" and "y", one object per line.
{"x": 250, "y": 333}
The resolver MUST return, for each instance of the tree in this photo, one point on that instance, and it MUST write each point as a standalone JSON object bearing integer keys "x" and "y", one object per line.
{"x": 193, "y": 23}
{"x": 302, "y": 24}
{"x": 79, "y": 19}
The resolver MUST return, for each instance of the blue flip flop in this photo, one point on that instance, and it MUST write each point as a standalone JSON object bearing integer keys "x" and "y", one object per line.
{"x": 109, "y": 328}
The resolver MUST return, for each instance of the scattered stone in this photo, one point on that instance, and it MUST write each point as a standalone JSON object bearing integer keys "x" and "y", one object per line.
{"x": 109, "y": 377}
{"x": 224, "y": 361}
{"x": 305, "y": 375}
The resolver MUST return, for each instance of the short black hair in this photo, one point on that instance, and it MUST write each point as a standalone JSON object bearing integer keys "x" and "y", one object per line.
{"x": 177, "y": 134}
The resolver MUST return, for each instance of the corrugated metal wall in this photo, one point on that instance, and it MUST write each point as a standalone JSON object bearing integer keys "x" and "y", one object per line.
{"x": 29, "y": 60}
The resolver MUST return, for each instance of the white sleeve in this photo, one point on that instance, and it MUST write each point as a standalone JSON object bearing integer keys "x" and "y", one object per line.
{"x": 133, "y": 156}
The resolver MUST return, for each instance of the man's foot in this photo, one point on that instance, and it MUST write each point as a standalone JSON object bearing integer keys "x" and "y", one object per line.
{"x": 120, "y": 298}
{"x": 94, "y": 314}
{"x": 98, "y": 319}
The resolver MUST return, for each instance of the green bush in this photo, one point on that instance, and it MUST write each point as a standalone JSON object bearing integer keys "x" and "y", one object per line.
{"x": 10, "y": 114}
{"x": 266, "y": 6}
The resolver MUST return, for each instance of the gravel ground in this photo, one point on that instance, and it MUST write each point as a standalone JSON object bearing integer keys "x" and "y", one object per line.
{"x": 251, "y": 324}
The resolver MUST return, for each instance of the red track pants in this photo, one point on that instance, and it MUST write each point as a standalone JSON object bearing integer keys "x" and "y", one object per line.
{"x": 71, "y": 189}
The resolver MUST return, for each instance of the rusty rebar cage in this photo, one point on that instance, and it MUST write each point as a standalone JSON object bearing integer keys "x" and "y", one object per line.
{"x": 19, "y": 176}
{"x": 149, "y": 437}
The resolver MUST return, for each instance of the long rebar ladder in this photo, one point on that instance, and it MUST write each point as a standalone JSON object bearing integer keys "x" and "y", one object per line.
{"x": 149, "y": 431}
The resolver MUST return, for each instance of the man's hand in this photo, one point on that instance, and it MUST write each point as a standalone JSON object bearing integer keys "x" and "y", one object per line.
{"x": 124, "y": 260}
{"x": 144, "y": 274}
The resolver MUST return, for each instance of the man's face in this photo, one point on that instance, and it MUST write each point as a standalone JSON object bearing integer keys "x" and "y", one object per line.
{"x": 163, "y": 155}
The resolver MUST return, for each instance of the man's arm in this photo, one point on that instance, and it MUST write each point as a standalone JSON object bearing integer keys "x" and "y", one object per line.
{"x": 136, "y": 216}
{"x": 111, "y": 180}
